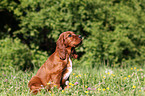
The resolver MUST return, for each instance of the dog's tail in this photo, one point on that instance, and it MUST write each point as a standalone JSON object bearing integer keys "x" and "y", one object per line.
{"x": 35, "y": 85}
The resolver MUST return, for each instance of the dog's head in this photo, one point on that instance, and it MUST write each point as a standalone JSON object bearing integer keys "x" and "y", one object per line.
{"x": 68, "y": 39}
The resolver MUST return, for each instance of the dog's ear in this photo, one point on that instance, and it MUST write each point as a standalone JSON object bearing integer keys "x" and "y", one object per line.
{"x": 61, "y": 47}
{"x": 73, "y": 53}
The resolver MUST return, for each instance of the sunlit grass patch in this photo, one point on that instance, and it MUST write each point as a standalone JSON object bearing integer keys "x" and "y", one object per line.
{"x": 86, "y": 81}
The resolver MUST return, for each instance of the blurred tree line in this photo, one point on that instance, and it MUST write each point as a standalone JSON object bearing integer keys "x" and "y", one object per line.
{"x": 113, "y": 31}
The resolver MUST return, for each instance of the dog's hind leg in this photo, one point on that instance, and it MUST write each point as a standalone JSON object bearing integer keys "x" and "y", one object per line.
{"x": 35, "y": 85}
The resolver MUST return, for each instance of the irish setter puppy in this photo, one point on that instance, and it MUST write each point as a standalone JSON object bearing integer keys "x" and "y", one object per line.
{"x": 57, "y": 68}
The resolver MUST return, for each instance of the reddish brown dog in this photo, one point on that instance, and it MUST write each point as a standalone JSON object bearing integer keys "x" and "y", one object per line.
{"x": 58, "y": 66}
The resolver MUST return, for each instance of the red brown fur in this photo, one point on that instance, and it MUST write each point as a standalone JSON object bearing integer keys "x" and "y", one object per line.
{"x": 57, "y": 65}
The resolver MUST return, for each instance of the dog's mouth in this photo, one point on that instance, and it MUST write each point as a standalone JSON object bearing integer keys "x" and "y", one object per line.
{"x": 80, "y": 43}
{"x": 76, "y": 45}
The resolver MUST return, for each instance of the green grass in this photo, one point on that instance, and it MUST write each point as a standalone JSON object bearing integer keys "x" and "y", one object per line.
{"x": 93, "y": 82}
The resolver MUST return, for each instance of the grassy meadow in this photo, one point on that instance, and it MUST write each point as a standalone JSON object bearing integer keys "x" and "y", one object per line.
{"x": 113, "y": 32}
{"x": 127, "y": 81}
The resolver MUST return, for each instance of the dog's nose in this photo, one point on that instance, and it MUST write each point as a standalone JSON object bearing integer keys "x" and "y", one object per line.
{"x": 80, "y": 36}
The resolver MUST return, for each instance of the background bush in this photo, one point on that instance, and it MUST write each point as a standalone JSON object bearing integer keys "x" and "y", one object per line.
{"x": 113, "y": 30}
{"x": 19, "y": 56}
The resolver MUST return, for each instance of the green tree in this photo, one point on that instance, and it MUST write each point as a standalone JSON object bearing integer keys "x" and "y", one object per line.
{"x": 113, "y": 30}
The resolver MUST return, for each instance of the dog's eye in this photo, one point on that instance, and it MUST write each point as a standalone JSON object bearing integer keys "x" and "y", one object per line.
{"x": 69, "y": 35}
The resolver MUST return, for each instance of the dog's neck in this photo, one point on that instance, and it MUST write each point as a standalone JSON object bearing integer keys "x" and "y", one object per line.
{"x": 69, "y": 50}
{"x": 68, "y": 53}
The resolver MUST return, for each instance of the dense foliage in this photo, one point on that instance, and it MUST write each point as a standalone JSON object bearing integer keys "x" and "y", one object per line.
{"x": 113, "y": 30}
{"x": 16, "y": 55}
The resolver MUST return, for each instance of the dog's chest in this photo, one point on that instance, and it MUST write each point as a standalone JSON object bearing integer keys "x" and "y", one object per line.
{"x": 67, "y": 70}
{"x": 69, "y": 63}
